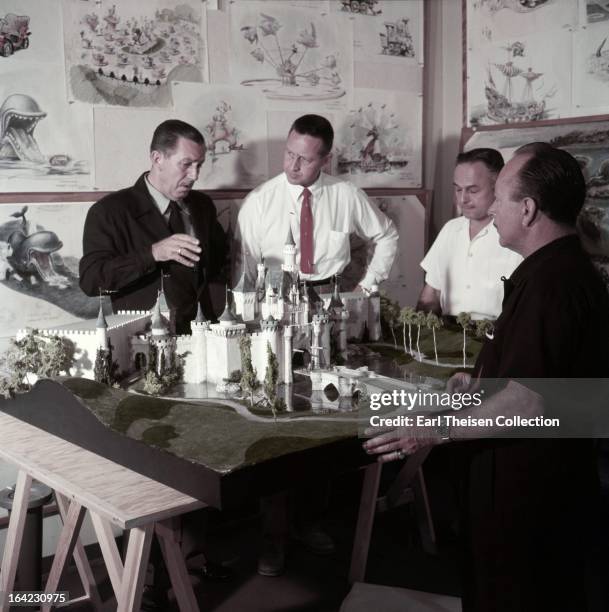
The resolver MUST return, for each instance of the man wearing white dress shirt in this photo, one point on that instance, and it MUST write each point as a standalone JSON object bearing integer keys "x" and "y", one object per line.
{"x": 465, "y": 264}
{"x": 321, "y": 210}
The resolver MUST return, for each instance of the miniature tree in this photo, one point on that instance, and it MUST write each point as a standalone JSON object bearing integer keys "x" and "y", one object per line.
{"x": 390, "y": 314}
{"x": 484, "y": 326}
{"x": 153, "y": 384}
{"x": 406, "y": 317}
{"x": 420, "y": 318}
{"x": 234, "y": 376}
{"x": 271, "y": 378}
{"x": 103, "y": 366}
{"x": 434, "y": 322}
{"x": 464, "y": 319}
{"x": 44, "y": 356}
{"x": 249, "y": 381}
{"x": 153, "y": 353}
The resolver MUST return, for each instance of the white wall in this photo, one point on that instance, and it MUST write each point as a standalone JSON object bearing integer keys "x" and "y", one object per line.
{"x": 443, "y": 103}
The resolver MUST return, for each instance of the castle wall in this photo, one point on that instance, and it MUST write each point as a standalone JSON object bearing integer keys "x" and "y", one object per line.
{"x": 259, "y": 352}
{"x": 224, "y": 356}
{"x": 187, "y": 347}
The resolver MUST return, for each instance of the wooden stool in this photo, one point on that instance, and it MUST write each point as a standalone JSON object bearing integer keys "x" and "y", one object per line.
{"x": 364, "y": 597}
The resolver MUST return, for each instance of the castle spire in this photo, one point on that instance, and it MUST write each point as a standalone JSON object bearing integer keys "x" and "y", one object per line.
{"x": 290, "y": 238}
{"x": 158, "y": 326}
{"x": 200, "y": 318}
{"x": 335, "y": 301}
{"x": 101, "y": 319}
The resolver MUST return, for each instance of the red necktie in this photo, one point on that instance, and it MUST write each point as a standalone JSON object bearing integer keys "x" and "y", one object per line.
{"x": 306, "y": 233}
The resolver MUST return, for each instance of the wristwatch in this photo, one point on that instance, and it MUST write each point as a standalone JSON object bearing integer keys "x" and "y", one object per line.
{"x": 443, "y": 430}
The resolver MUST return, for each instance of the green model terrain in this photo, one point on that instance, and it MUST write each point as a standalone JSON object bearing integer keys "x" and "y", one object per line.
{"x": 225, "y": 434}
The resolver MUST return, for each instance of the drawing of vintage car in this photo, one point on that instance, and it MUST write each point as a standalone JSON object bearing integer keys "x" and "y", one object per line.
{"x": 14, "y": 33}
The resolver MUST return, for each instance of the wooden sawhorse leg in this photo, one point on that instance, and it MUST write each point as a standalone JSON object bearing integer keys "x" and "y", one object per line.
{"x": 14, "y": 536}
{"x": 365, "y": 522}
{"x": 410, "y": 473}
{"x": 176, "y": 566}
{"x": 128, "y": 580}
{"x": 80, "y": 558}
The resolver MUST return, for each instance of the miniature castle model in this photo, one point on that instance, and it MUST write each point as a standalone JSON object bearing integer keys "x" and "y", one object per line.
{"x": 290, "y": 318}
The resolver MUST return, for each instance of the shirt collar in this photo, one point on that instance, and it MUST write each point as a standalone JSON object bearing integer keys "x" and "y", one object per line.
{"x": 528, "y": 266}
{"x": 489, "y": 227}
{"x": 161, "y": 200}
{"x": 315, "y": 188}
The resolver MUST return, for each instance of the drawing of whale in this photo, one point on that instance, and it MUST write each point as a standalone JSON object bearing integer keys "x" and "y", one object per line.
{"x": 31, "y": 253}
{"x": 19, "y": 116}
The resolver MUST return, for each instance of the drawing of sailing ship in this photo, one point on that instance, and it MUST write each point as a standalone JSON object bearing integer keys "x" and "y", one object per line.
{"x": 517, "y": 101}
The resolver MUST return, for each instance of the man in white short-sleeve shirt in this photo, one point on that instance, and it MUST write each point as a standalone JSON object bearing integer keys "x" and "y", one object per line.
{"x": 465, "y": 264}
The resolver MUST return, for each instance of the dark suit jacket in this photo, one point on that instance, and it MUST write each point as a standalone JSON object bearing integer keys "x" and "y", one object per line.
{"x": 120, "y": 230}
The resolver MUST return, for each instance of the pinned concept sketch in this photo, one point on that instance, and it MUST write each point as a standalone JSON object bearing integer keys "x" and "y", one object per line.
{"x": 126, "y": 55}
{"x": 295, "y": 55}
{"x": 375, "y": 146}
{"x": 518, "y": 94}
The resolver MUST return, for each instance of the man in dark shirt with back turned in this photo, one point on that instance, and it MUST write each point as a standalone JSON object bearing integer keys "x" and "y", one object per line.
{"x": 531, "y": 505}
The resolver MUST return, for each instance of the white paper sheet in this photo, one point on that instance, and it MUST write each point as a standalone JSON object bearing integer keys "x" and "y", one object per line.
{"x": 46, "y": 144}
{"x": 298, "y": 57}
{"x": 234, "y": 127}
{"x": 379, "y": 142}
{"x": 126, "y": 53}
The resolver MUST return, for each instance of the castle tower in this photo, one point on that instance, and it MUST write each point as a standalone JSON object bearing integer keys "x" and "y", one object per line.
{"x": 199, "y": 345}
{"x": 288, "y": 332}
{"x": 223, "y": 345}
{"x": 159, "y": 337}
{"x": 320, "y": 350}
{"x": 166, "y": 311}
{"x": 259, "y": 287}
{"x": 101, "y": 329}
{"x": 339, "y": 314}
{"x": 159, "y": 324}
{"x": 270, "y": 329}
{"x": 306, "y": 303}
{"x": 326, "y": 328}
{"x": 289, "y": 254}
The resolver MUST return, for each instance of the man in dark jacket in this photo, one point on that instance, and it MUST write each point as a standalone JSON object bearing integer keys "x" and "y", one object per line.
{"x": 157, "y": 227}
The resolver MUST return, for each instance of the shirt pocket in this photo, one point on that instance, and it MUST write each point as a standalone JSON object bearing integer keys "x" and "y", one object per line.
{"x": 338, "y": 246}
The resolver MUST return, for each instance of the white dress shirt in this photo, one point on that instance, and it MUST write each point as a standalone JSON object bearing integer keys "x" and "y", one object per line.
{"x": 339, "y": 209}
{"x": 468, "y": 272}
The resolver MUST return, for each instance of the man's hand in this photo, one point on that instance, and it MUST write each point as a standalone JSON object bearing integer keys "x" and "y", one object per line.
{"x": 179, "y": 247}
{"x": 397, "y": 443}
{"x": 461, "y": 382}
